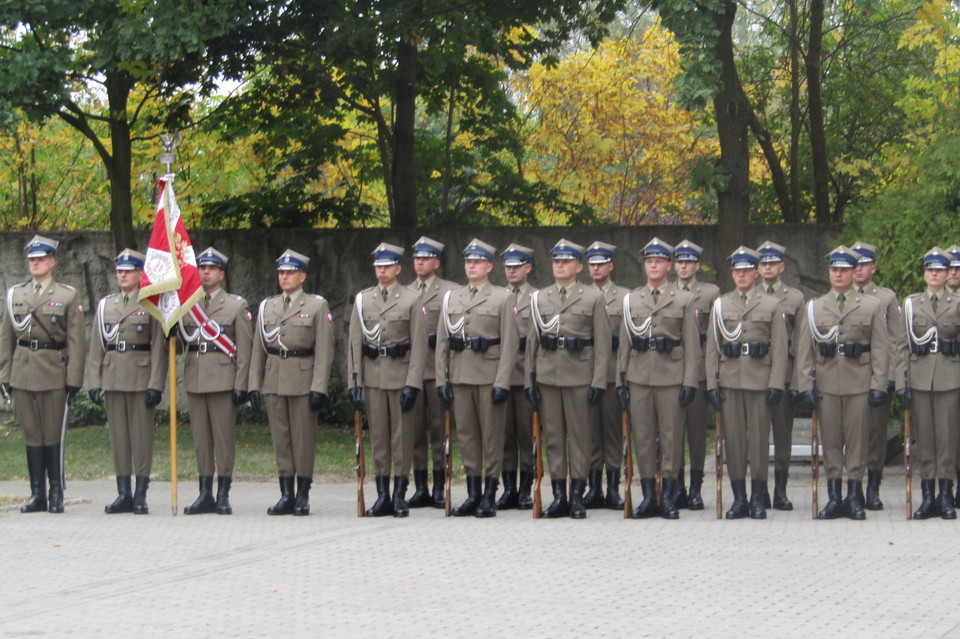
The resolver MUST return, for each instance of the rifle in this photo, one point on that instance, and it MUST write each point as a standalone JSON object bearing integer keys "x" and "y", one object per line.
{"x": 908, "y": 461}
{"x": 628, "y": 467}
{"x": 538, "y": 462}
{"x": 815, "y": 458}
{"x": 358, "y": 452}
{"x": 718, "y": 460}
{"x": 447, "y": 466}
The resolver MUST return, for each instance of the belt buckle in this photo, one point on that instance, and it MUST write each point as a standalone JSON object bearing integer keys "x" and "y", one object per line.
{"x": 283, "y": 352}
{"x": 745, "y": 348}
{"x": 121, "y": 347}
{"x": 562, "y": 343}
{"x": 202, "y": 347}
{"x": 382, "y": 350}
{"x": 841, "y": 348}
{"x": 935, "y": 347}
{"x": 34, "y": 344}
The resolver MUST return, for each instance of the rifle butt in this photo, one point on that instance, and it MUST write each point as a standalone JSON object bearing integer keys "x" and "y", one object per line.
{"x": 718, "y": 460}
{"x": 538, "y": 462}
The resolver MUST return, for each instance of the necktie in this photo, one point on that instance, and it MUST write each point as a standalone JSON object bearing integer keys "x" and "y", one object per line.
{"x": 860, "y": 290}
{"x": 770, "y": 290}
{"x": 383, "y": 294}
{"x": 206, "y": 302}
{"x": 933, "y": 300}
{"x": 686, "y": 287}
{"x": 286, "y": 302}
{"x": 422, "y": 286}
{"x": 743, "y": 297}
{"x": 473, "y": 292}
{"x": 656, "y": 295}
{"x": 126, "y": 299}
{"x": 841, "y": 298}
{"x": 563, "y": 295}
{"x": 36, "y": 293}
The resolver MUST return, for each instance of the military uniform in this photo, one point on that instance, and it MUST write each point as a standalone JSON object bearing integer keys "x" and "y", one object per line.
{"x": 388, "y": 353}
{"x": 954, "y": 252}
{"x": 746, "y": 367}
{"x": 41, "y": 362}
{"x": 842, "y": 351}
{"x": 571, "y": 374}
{"x": 216, "y": 384}
{"x": 290, "y": 367}
{"x": 477, "y": 345}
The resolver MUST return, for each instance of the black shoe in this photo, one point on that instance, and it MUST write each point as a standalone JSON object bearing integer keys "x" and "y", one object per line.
{"x": 928, "y": 507}
{"x": 301, "y": 506}
{"x": 469, "y": 507}
{"x": 680, "y": 499}
{"x": 223, "y": 495}
{"x": 946, "y": 499}
{"x": 956, "y": 501}
{"x": 780, "y": 501}
{"x": 834, "y": 508}
{"x": 205, "y": 503}
{"x": 668, "y": 492}
{"x": 694, "y": 498}
{"x": 400, "y": 506}
{"x": 285, "y": 505}
{"x": 873, "y": 490}
{"x": 438, "y": 498}
{"x": 383, "y": 506}
{"x": 559, "y": 507}
{"x": 766, "y": 496}
{"x": 140, "y": 496}
{"x": 758, "y": 498}
{"x": 855, "y": 500}
{"x": 613, "y": 500}
{"x": 578, "y": 506}
{"x": 510, "y": 498}
{"x": 648, "y": 507}
{"x": 124, "y": 501}
{"x": 524, "y": 498}
{"x": 38, "y": 481}
{"x": 594, "y": 496}
{"x": 488, "y": 504}
{"x": 421, "y": 495}
{"x": 739, "y": 508}
{"x": 51, "y": 460}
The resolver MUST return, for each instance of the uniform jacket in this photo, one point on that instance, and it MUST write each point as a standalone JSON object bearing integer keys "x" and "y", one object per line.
{"x": 402, "y": 320}
{"x": 430, "y": 301}
{"x": 126, "y": 371}
{"x": 582, "y": 315}
{"x": 934, "y": 371}
{"x": 791, "y": 305}
{"x": 893, "y": 317}
{"x": 214, "y": 371}
{"x": 525, "y": 329}
{"x": 489, "y": 314}
{"x": 862, "y": 320}
{"x": 762, "y": 322}
{"x": 58, "y": 317}
{"x": 308, "y": 323}
{"x": 704, "y": 295}
{"x": 613, "y": 298}
{"x": 672, "y": 316}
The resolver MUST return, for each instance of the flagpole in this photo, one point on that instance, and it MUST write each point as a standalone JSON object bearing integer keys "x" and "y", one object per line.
{"x": 172, "y": 349}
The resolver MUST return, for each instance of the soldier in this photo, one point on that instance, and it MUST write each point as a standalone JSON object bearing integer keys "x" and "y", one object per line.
{"x": 953, "y": 273}
{"x": 659, "y": 364}
{"x": 41, "y": 366}
{"x": 477, "y": 345}
{"x": 877, "y": 448}
{"x": 215, "y": 372}
{"x": 791, "y": 304}
{"x": 566, "y": 369}
{"x": 607, "y": 435}
{"x": 687, "y": 264}
{"x": 928, "y": 382}
{"x": 518, "y": 428}
{"x": 388, "y": 352}
{"x": 746, "y": 366}
{"x": 128, "y": 363}
{"x": 290, "y": 369}
{"x": 428, "y": 414}
{"x": 842, "y": 363}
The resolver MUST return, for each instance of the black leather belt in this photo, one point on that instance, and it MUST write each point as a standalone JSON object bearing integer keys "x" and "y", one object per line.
{"x": 615, "y": 339}
{"x": 659, "y": 343}
{"x": 479, "y": 344}
{"x": 523, "y": 343}
{"x": 753, "y": 349}
{"x": 944, "y": 346}
{"x": 393, "y": 351}
{"x": 572, "y": 344}
{"x": 35, "y": 345}
{"x": 847, "y": 349}
{"x": 203, "y": 347}
{"x": 123, "y": 347}
{"x": 432, "y": 340}
{"x": 284, "y": 353}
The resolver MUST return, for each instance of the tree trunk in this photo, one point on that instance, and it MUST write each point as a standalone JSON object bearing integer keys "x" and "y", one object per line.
{"x": 793, "y": 162}
{"x": 118, "y": 162}
{"x": 818, "y": 139}
{"x": 404, "y": 171}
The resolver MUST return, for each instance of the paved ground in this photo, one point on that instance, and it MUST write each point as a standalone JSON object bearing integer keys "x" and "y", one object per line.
{"x": 334, "y": 575}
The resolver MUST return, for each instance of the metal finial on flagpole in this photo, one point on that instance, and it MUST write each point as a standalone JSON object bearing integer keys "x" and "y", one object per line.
{"x": 169, "y": 140}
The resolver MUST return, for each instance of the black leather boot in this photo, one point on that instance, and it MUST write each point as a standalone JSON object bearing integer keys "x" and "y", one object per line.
{"x": 421, "y": 494}
{"x": 834, "y": 507}
{"x": 140, "y": 496}
{"x": 613, "y": 500}
{"x": 956, "y": 502}
{"x": 559, "y": 507}
{"x": 205, "y": 503}
{"x": 469, "y": 506}
{"x": 648, "y": 507}
{"x": 488, "y": 504}
{"x": 223, "y": 495}
{"x": 51, "y": 460}
{"x": 578, "y": 505}
{"x": 668, "y": 493}
{"x": 285, "y": 505}
{"x": 124, "y": 501}
{"x": 695, "y": 499}
{"x": 383, "y": 506}
{"x": 524, "y": 498}
{"x": 780, "y": 501}
{"x": 873, "y": 490}
{"x": 739, "y": 508}
{"x": 594, "y": 496}
{"x": 301, "y": 506}
{"x": 400, "y": 506}
{"x": 928, "y": 507}
{"x": 946, "y": 499}
{"x": 854, "y": 500}
{"x": 38, "y": 481}
{"x": 439, "y": 499}
{"x": 680, "y": 499}
{"x": 510, "y": 497}
{"x": 758, "y": 498}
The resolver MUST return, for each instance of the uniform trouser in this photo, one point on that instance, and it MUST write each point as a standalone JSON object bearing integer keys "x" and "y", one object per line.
{"x": 876, "y": 425}
{"x": 607, "y": 432}
{"x": 479, "y": 429}
{"x": 391, "y": 432}
{"x": 935, "y": 417}
{"x": 746, "y": 433}
{"x": 213, "y": 419}
{"x": 781, "y": 417}
{"x": 41, "y": 415}
{"x": 844, "y": 434}
{"x": 565, "y": 412}
{"x": 293, "y": 428}
{"x": 428, "y": 420}
{"x": 695, "y": 425}
{"x": 655, "y": 412}
{"x": 131, "y": 432}
{"x": 518, "y": 432}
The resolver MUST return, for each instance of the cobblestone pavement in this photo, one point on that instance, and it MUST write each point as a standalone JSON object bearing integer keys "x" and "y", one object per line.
{"x": 331, "y": 574}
